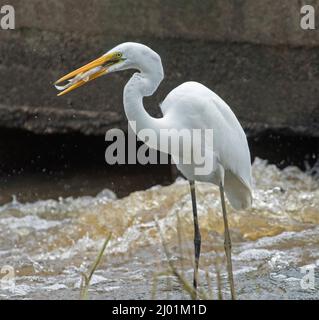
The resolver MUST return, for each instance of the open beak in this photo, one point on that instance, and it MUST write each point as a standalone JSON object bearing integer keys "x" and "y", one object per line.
{"x": 90, "y": 71}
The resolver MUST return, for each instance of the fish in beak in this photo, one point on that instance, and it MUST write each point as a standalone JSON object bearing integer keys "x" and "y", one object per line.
{"x": 89, "y": 72}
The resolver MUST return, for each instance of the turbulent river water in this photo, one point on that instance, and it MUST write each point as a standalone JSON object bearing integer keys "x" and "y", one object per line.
{"x": 47, "y": 245}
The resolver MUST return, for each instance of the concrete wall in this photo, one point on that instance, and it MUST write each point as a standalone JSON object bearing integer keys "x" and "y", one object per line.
{"x": 253, "y": 53}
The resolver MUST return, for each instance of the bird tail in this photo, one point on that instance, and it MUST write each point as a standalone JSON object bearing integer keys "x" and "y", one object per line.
{"x": 237, "y": 191}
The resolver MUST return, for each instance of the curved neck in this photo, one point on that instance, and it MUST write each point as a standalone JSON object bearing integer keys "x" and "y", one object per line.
{"x": 142, "y": 84}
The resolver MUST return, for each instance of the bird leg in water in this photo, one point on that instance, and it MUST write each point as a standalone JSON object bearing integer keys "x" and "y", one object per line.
{"x": 197, "y": 236}
{"x": 227, "y": 243}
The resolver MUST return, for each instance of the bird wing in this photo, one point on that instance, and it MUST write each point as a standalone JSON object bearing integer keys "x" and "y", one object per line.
{"x": 192, "y": 105}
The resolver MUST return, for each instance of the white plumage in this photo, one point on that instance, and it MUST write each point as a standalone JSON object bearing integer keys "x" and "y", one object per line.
{"x": 192, "y": 105}
{"x": 189, "y": 106}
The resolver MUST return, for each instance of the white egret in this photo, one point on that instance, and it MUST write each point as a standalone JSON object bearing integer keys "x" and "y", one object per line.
{"x": 189, "y": 106}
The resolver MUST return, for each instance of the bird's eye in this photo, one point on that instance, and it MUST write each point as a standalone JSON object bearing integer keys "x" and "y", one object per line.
{"x": 118, "y": 54}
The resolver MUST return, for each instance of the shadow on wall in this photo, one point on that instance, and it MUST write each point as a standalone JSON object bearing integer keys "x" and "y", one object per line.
{"x": 49, "y": 166}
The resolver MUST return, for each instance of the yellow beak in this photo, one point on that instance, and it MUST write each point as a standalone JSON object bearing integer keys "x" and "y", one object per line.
{"x": 90, "y": 71}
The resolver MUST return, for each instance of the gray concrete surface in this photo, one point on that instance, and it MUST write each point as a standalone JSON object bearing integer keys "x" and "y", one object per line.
{"x": 252, "y": 53}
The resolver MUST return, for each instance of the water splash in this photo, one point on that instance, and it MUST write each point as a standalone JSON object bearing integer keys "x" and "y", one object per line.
{"x": 50, "y": 242}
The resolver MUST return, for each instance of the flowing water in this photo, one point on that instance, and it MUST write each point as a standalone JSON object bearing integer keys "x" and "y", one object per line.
{"x": 48, "y": 244}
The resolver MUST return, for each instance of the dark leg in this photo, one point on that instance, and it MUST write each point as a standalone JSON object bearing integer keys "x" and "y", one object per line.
{"x": 227, "y": 244}
{"x": 197, "y": 237}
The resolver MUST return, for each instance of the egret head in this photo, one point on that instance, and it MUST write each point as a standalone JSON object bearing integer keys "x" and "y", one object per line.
{"x": 125, "y": 56}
